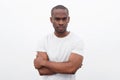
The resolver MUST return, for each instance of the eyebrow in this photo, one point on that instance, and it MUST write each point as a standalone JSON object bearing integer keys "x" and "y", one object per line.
{"x": 57, "y": 18}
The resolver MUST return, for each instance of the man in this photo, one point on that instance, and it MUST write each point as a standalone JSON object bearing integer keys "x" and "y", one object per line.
{"x": 59, "y": 54}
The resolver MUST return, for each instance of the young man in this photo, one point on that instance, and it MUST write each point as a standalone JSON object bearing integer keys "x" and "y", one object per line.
{"x": 59, "y": 54}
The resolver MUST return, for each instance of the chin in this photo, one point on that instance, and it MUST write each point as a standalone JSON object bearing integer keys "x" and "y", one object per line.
{"x": 61, "y": 31}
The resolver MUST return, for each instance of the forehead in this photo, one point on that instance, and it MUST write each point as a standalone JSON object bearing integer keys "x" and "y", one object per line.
{"x": 59, "y": 13}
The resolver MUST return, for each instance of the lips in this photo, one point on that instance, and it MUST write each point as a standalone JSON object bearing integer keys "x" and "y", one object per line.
{"x": 60, "y": 27}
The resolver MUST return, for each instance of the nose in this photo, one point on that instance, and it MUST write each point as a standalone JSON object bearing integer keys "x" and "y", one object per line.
{"x": 61, "y": 22}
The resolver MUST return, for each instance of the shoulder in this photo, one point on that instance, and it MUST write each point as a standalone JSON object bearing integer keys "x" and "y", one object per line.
{"x": 77, "y": 40}
{"x": 45, "y": 37}
{"x": 78, "y": 44}
{"x": 76, "y": 37}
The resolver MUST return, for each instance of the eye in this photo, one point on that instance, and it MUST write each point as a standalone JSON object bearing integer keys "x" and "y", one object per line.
{"x": 57, "y": 19}
{"x": 64, "y": 18}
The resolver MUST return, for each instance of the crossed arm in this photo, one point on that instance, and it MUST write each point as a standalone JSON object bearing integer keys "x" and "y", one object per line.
{"x": 46, "y": 67}
{"x": 42, "y": 69}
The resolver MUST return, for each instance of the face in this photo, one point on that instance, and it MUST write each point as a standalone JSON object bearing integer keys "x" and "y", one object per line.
{"x": 60, "y": 20}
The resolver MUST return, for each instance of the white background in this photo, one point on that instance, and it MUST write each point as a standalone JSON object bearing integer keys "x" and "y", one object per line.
{"x": 23, "y": 22}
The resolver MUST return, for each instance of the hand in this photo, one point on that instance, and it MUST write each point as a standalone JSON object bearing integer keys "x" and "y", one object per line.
{"x": 39, "y": 60}
{"x": 42, "y": 54}
{"x": 37, "y": 64}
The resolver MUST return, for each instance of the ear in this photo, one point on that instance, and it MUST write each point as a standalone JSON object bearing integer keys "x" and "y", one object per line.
{"x": 51, "y": 19}
{"x": 68, "y": 19}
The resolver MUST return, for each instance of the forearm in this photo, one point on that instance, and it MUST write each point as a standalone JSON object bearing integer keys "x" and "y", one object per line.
{"x": 61, "y": 67}
{"x": 51, "y": 67}
{"x": 45, "y": 71}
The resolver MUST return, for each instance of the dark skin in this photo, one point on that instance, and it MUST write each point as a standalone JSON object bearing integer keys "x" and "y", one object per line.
{"x": 42, "y": 70}
{"x": 60, "y": 20}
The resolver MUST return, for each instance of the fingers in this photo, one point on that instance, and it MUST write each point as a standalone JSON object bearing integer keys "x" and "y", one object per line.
{"x": 39, "y": 54}
{"x": 35, "y": 63}
{"x": 42, "y": 55}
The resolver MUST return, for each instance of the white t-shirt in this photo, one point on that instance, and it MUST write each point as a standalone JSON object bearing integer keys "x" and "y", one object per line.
{"x": 59, "y": 50}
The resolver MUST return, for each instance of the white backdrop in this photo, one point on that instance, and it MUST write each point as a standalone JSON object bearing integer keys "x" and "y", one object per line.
{"x": 23, "y": 22}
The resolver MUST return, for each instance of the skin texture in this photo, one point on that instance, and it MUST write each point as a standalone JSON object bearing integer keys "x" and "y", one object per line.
{"x": 41, "y": 69}
{"x": 60, "y": 20}
{"x": 68, "y": 67}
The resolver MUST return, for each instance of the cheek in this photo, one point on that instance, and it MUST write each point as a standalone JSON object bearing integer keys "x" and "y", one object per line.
{"x": 55, "y": 23}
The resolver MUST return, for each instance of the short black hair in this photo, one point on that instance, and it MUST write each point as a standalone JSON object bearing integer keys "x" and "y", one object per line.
{"x": 59, "y": 7}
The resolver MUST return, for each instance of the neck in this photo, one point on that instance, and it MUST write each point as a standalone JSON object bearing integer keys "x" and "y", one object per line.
{"x": 61, "y": 34}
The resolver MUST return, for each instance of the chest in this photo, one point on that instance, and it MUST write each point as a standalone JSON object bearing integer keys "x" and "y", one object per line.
{"x": 59, "y": 50}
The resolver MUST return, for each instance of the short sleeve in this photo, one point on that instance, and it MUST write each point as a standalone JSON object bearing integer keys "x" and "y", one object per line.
{"x": 78, "y": 47}
{"x": 41, "y": 45}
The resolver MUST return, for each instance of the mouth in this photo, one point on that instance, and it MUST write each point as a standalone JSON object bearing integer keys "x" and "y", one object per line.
{"x": 61, "y": 28}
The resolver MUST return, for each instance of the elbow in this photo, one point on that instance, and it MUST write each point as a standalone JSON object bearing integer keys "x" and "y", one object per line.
{"x": 40, "y": 73}
{"x": 72, "y": 70}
